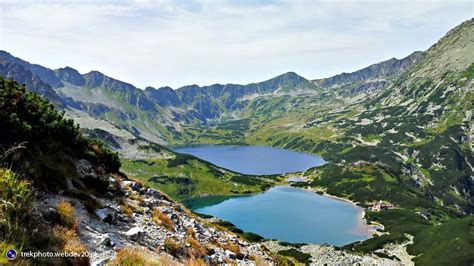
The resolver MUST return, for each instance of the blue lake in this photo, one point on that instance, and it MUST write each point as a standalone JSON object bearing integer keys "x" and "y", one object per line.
{"x": 284, "y": 213}
{"x": 256, "y": 160}
{"x": 292, "y": 215}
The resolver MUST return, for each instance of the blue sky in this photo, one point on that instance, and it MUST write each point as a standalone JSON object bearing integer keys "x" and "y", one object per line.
{"x": 176, "y": 43}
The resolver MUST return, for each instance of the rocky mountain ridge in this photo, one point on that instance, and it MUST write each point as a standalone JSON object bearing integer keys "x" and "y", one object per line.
{"x": 114, "y": 101}
{"x": 380, "y": 71}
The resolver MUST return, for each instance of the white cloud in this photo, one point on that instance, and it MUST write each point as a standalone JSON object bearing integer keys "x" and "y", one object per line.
{"x": 175, "y": 43}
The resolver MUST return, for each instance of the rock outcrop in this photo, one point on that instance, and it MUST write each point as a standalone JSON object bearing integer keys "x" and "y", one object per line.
{"x": 147, "y": 219}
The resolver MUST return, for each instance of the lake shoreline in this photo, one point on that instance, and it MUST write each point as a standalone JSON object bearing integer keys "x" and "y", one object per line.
{"x": 232, "y": 157}
{"x": 366, "y": 228}
{"x": 253, "y": 160}
{"x": 359, "y": 227}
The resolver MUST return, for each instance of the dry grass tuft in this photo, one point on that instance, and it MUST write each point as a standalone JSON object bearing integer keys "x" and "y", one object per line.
{"x": 71, "y": 243}
{"x": 194, "y": 262}
{"x": 127, "y": 210}
{"x": 196, "y": 250}
{"x": 231, "y": 247}
{"x": 173, "y": 247}
{"x": 67, "y": 213}
{"x": 166, "y": 260}
{"x": 131, "y": 256}
{"x": 190, "y": 231}
{"x": 258, "y": 260}
{"x": 162, "y": 219}
{"x": 137, "y": 197}
{"x": 215, "y": 241}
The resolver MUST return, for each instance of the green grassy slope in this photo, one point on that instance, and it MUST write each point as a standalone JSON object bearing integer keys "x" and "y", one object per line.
{"x": 446, "y": 244}
{"x": 410, "y": 144}
{"x": 184, "y": 176}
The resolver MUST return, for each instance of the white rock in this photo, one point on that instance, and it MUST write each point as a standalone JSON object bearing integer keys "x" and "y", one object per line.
{"x": 229, "y": 254}
{"x": 100, "y": 262}
{"x": 153, "y": 192}
{"x": 127, "y": 183}
{"x": 135, "y": 233}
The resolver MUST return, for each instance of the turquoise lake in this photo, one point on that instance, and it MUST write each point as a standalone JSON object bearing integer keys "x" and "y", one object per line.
{"x": 255, "y": 160}
{"x": 284, "y": 213}
{"x": 292, "y": 215}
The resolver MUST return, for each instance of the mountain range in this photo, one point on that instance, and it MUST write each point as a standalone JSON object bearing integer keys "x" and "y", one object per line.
{"x": 396, "y": 107}
{"x": 400, "y": 131}
{"x": 96, "y": 95}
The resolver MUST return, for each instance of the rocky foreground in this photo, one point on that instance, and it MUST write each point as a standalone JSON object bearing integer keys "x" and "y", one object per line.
{"x": 160, "y": 228}
{"x": 146, "y": 222}
{"x": 329, "y": 255}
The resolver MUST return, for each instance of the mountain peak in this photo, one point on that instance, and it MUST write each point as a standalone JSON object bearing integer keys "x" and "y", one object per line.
{"x": 94, "y": 73}
{"x": 5, "y": 54}
{"x": 163, "y": 96}
{"x": 71, "y": 75}
{"x": 290, "y": 75}
{"x": 94, "y": 78}
{"x": 165, "y": 88}
{"x": 287, "y": 78}
{"x": 47, "y": 75}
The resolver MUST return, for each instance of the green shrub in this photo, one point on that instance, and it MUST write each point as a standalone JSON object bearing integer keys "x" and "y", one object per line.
{"x": 248, "y": 180}
{"x": 16, "y": 207}
{"x": 51, "y": 143}
{"x": 99, "y": 153}
{"x": 252, "y": 237}
{"x": 451, "y": 243}
{"x": 27, "y": 116}
{"x": 298, "y": 255}
{"x": 180, "y": 159}
{"x": 229, "y": 226}
{"x": 376, "y": 242}
{"x": 4, "y": 247}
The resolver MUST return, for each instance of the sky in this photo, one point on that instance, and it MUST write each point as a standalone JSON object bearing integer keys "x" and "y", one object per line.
{"x": 176, "y": 43}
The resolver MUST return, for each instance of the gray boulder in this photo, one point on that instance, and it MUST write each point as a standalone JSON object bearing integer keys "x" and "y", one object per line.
{"x": 85, "y": 168}
{"x": 153, "y": 192}
{"x": 132, "y": 184}
{"x": 229, "y": 254}
{"x": 105, "y": 215}
{"x": 110, "y": 240}
{"x": 135, "y": 233}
